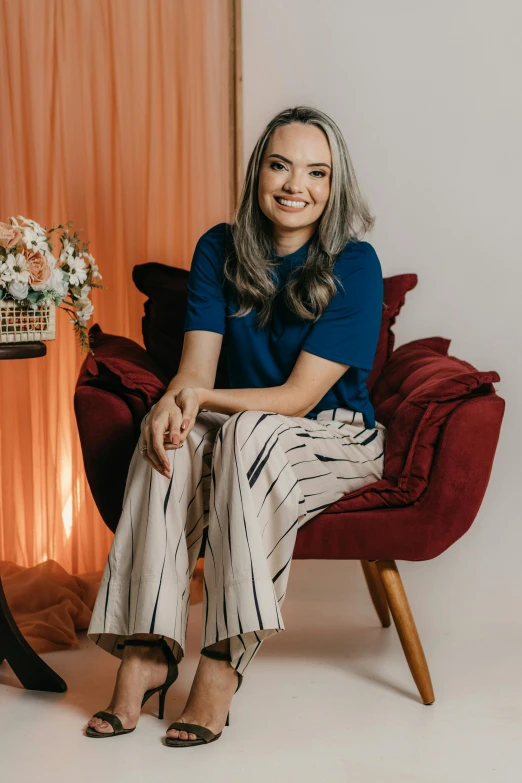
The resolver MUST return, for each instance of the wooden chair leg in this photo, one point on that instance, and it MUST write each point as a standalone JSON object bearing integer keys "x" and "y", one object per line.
{"x": 377, "y": 594}
{"x": 405, "y": 624}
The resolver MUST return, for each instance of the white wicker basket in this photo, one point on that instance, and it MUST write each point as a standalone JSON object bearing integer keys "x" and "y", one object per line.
{"x": 25, "y": 324}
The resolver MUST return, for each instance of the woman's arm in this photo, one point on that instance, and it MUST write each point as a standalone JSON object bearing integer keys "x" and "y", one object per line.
{"x": 197, "y": 367}
{"x": 199, "y": 361}
{"x": 310, "y": 379}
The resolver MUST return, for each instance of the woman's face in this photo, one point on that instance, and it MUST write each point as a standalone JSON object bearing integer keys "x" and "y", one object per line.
{"x": 296, "y": 167}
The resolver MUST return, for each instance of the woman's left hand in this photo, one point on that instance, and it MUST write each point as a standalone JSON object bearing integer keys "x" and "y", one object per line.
{"x": 188, "y": 402}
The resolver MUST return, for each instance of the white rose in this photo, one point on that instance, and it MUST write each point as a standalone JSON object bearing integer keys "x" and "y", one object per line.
{"x": 57, "y": 283}
{"x": 18, "y": 289}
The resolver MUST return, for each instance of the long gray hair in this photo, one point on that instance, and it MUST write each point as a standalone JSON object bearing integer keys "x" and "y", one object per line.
{"x": 249, "y": 263}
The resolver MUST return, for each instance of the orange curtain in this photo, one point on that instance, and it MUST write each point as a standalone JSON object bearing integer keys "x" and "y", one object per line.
{"x": 113, "y": 114}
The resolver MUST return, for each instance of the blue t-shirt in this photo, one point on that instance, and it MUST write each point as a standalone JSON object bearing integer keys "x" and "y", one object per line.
{"x": 346, "y": 332}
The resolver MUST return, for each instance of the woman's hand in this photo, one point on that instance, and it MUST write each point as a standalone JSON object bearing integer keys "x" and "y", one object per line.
{"x": 161, "y": 430}
{"x": 188, "y": 401}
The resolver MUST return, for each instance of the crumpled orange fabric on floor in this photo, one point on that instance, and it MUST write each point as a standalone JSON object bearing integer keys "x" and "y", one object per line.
{"x": 49, "y": 605}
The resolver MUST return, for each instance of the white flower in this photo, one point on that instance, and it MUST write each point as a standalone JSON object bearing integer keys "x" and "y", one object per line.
{"x": 57, "y": 282}
{"x": 34, "y": 241}
{"x": 84, "y": 292}
{"x": 93, "y": 265}
{"x": 85, "y": 312}
{"x": 6, "y": 272}
{"x": 18, "y": 289}
{"x": 15, "y": 268}
{"x": 36, "y": 227}
{"x": 67, "y": 250}
{"x": 77, "y": 270}
{"x": 51, "y": 260}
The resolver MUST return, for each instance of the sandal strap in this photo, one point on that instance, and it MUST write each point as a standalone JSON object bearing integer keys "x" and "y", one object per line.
{"x": 142, "y": 643}
{"x": 219, "y": 656}
{"x": 172, "y": 672}
{"x": 222, "y": 657}
{"x": 193, "y": 728}
{"x": 112, "y": 719}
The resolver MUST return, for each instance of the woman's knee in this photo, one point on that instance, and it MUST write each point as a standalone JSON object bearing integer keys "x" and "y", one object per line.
{"x": 245, "y": 422}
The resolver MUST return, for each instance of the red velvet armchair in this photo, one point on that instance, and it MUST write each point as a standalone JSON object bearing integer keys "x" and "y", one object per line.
{"x": 443, "y": 420}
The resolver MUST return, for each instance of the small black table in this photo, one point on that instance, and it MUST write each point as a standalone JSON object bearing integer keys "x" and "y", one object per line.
{"x": 31, "y": 670}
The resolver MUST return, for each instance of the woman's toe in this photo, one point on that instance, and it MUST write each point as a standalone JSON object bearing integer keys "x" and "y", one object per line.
{"x": 102, "y": 726}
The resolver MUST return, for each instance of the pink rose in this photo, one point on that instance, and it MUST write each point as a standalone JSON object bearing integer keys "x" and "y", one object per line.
{"x": 9, "y": 235}
{"x": 39, "y": 269}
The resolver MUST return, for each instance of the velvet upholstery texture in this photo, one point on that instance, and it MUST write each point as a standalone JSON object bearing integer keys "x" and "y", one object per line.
{"x": 443, "y": 419}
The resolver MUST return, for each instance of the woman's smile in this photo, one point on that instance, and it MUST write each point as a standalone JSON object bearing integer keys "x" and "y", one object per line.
{"x": 290, "y": 205}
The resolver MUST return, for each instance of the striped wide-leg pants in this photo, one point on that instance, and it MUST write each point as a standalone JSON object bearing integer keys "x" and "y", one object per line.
{"x": 253, "y": 478}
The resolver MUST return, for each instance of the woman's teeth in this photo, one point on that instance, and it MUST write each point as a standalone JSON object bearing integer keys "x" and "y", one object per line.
{"x": 291, "y": 203}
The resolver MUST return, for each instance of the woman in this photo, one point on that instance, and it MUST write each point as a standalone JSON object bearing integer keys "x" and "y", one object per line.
{"x": 298, "y": 297}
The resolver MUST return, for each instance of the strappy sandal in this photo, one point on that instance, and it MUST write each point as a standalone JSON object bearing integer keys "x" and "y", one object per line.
{"x": 172, "y": 675}
{"x": 205, "y": 735}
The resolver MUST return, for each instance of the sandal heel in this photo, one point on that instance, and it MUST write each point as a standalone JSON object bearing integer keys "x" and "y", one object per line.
{"x": 161, "y": 709}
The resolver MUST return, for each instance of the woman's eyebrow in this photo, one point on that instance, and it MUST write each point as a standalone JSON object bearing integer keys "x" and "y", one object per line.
{"x": 282, "y": 157}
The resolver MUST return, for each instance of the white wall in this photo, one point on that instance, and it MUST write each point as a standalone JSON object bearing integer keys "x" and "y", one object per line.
{"x": 428, "y": 97}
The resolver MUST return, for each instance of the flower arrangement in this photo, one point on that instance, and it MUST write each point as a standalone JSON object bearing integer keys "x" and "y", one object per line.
{"x": 32, "y": 276}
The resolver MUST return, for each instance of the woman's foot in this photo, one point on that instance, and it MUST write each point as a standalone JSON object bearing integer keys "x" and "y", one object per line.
{"x": 209, "y": 700}
{"x": 141, "y": 668}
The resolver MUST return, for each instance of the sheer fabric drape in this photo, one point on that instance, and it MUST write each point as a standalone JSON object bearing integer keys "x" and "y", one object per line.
{"x": 114, "y": 115}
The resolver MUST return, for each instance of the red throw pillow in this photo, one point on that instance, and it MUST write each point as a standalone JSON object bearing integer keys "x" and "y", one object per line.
{"x": 418, "y": 388}
{"x": 122, "y": 366}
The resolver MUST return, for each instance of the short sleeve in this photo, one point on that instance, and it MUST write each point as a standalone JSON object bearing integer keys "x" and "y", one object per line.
{"x": 206, "y": 307}
{"x": 348, "y": 329}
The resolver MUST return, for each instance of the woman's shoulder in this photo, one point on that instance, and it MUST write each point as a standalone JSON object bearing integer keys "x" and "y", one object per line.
{"x": 215, "y": 237}
{"x": 356, "y": 256}
{"x": 211, "y": 246}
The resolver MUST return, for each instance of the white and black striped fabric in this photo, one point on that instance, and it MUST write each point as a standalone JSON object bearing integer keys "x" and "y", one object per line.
{"x": 254, "y": 478}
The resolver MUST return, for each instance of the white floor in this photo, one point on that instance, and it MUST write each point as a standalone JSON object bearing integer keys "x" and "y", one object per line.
{"x": 329, "y": 699}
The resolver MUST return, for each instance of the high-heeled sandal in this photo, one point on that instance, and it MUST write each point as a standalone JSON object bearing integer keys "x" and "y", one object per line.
{"x": 205, "y": 735}
{"x": 172, "y": 674}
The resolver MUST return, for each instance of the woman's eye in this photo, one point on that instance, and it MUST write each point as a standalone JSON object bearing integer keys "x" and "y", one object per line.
{"x": 317, "y": 171}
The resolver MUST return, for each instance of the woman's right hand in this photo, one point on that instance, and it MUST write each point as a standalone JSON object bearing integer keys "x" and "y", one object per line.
{"x": 164, "y": 417}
